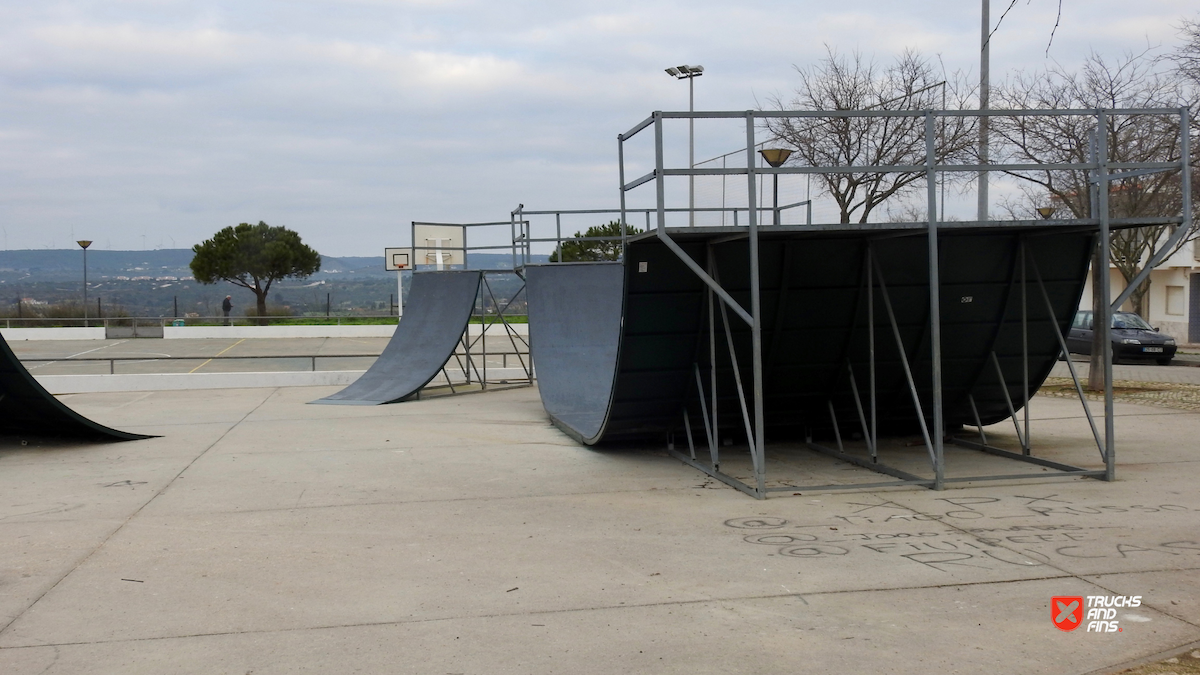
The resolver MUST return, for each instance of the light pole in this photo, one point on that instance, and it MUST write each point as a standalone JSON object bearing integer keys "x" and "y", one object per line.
{"x": 690, "y": 73}
{"x": 984, "y": 94}
{"x": 775, "y": 157}
{"x": 84, "y": 243}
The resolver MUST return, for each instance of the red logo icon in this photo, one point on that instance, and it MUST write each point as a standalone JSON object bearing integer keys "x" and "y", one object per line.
{"x": 1066, "y": 612}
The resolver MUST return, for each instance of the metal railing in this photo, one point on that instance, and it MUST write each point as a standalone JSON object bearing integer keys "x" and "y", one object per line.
{"x": 163, "y": 321}
{"x": 311, "y": 358}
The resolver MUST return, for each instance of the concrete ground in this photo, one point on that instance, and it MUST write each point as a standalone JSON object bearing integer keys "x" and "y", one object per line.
{"x": 467, "y": 535}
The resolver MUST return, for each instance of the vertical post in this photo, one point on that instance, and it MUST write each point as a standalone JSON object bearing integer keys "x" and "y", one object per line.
{"x": 1025, "y": 448}
{"x": 85, "y": 302}
{"x": 871, "y": 344}
{"x": 659, "y": 186}
{"x": 691, "y": 152}
{"x": 176, "y": 302}
{"x": 935, "y": 309}
{"x": 984, "y": 95}
{"x": 327, "y": 305}
{"x": 621, "y": 178}
{"x": 711, "y": 259}
{"x": 775, "y": 207}
{"x": 558, "y": 236}
{"x": 100, "y": 310}
{"x": 399, "y": 295}
{"x": 512, "y": 231}
{"x": 466, "y": 263}
{"x": 1105, "y": 320}
{"x": 755, "y": 311}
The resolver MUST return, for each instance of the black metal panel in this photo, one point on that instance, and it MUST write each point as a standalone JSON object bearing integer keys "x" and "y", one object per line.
{"x": 435, "y": 316}
{"x": 814, "y": 309}
{"x": 27, "y": 409}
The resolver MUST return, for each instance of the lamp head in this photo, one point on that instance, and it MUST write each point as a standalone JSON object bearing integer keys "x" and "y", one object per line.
{"x": 1046, "y": 211}
{"x": 84, "y": 243}
{"x": 685, "y": 72}
{"x": 775, "y": 156}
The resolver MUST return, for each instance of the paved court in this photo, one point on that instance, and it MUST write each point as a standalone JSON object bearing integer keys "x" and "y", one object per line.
{"x": 466, "y": 535}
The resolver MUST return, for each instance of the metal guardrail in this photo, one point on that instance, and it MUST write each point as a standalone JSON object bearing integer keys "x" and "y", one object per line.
{"x": 204, "y": 321}
{"x": 312, "y": 358}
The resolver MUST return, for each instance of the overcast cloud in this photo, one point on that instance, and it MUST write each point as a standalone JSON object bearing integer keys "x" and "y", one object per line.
{"x": 154, "y": 123}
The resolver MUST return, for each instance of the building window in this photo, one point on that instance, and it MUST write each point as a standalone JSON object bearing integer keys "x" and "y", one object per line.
{"x": 1175, "y": 300}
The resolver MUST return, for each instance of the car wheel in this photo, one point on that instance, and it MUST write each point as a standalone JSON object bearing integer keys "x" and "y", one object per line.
{"x": 1164, "y": 362}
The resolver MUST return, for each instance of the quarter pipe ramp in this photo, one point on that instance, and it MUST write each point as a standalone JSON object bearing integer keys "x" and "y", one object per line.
{"x": 27, "y": 409}
{"x": 438, "y": 309}
{"x": 620, "y": 347}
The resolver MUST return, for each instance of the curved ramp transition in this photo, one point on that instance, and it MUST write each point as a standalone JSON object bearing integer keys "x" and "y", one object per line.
{"x": 438, "y": 309}
{"x": 27, "y": 409}
{"x": 618, "y": 349}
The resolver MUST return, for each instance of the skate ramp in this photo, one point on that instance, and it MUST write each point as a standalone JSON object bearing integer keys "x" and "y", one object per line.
{"x": 28, "y": 410}
{"x": 631, "y": 377}
{"x": 574, "y": 330}
{"x": 435, "y": 316}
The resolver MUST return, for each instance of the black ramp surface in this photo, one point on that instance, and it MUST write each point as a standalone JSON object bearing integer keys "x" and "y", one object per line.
{"x": 574, "y": 331}
{"x": 435, "y": 316}
{"x": 27, "y": 409}
{"x": 816, "y": 328}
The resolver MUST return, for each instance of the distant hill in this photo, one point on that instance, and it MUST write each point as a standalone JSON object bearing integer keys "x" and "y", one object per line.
{"x": 67, "y": 264}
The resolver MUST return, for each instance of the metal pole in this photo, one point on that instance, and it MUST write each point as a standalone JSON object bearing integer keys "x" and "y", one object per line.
{"x": 621, "y": 178}
{"x": 1025, "y": 448}
{"x": 984, "y": 95}
{"x": 935, "y": 310}
{"x": 1105, "y": 292}
{"x": 775, "y": 206}
{"x": 712, "y": 355}
{"x": 399, "y": 295}
{"x": 755, "y": 311}
{"x": 85, "y": 302}
{"x": 660, "y": 189}
{"x": 691, "y": 152}
{"x": 871, "y": 344}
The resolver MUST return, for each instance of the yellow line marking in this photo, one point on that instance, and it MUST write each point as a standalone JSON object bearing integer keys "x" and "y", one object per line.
{"x": 218, "y": 354}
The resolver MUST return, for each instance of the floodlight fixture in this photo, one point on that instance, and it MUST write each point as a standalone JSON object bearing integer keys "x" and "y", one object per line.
{"x": 685, "y": 72}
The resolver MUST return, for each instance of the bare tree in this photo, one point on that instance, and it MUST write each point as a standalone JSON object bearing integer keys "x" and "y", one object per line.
{"x": 838, "y": 82}
{"x": 1187, "y": 55}
{"x": 1130, "y": 82}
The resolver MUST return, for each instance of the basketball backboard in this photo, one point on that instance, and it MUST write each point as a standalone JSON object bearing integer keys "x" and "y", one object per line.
{"x": 397, "y": 259}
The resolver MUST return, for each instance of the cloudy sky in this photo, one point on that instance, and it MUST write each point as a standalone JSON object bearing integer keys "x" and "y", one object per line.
{"x": 154, "y": 123}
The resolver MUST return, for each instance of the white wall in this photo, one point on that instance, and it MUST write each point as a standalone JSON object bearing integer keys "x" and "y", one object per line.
{"x": 14, "y": 334}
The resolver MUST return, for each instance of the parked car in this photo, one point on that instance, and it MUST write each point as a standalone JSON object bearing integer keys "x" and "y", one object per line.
{"x": 1132, "y": 338}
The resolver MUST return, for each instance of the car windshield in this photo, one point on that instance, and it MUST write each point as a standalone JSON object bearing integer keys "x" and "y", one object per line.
{"x": 1129, "y": 320}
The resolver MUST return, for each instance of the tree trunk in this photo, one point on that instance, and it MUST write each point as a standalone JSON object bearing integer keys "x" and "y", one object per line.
{"x": 261, "y": 307}
{"x": 1096, "y": 362}
{"x": 1138, "y": 298}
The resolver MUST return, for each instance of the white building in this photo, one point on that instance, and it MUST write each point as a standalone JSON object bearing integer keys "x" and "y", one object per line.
{"x": 1174, "y": 299}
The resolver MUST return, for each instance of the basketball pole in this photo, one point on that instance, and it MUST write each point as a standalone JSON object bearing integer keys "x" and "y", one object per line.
{"x": 399, "y": 293}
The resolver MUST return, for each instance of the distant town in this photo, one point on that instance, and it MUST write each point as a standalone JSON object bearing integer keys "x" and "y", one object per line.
{"x": 158, "y": 283}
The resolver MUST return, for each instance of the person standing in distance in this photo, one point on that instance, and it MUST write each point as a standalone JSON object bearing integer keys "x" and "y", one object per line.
{"x": 226, "y": 306}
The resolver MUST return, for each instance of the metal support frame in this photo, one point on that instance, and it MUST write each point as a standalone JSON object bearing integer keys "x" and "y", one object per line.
{"x": 719, "y": 299}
